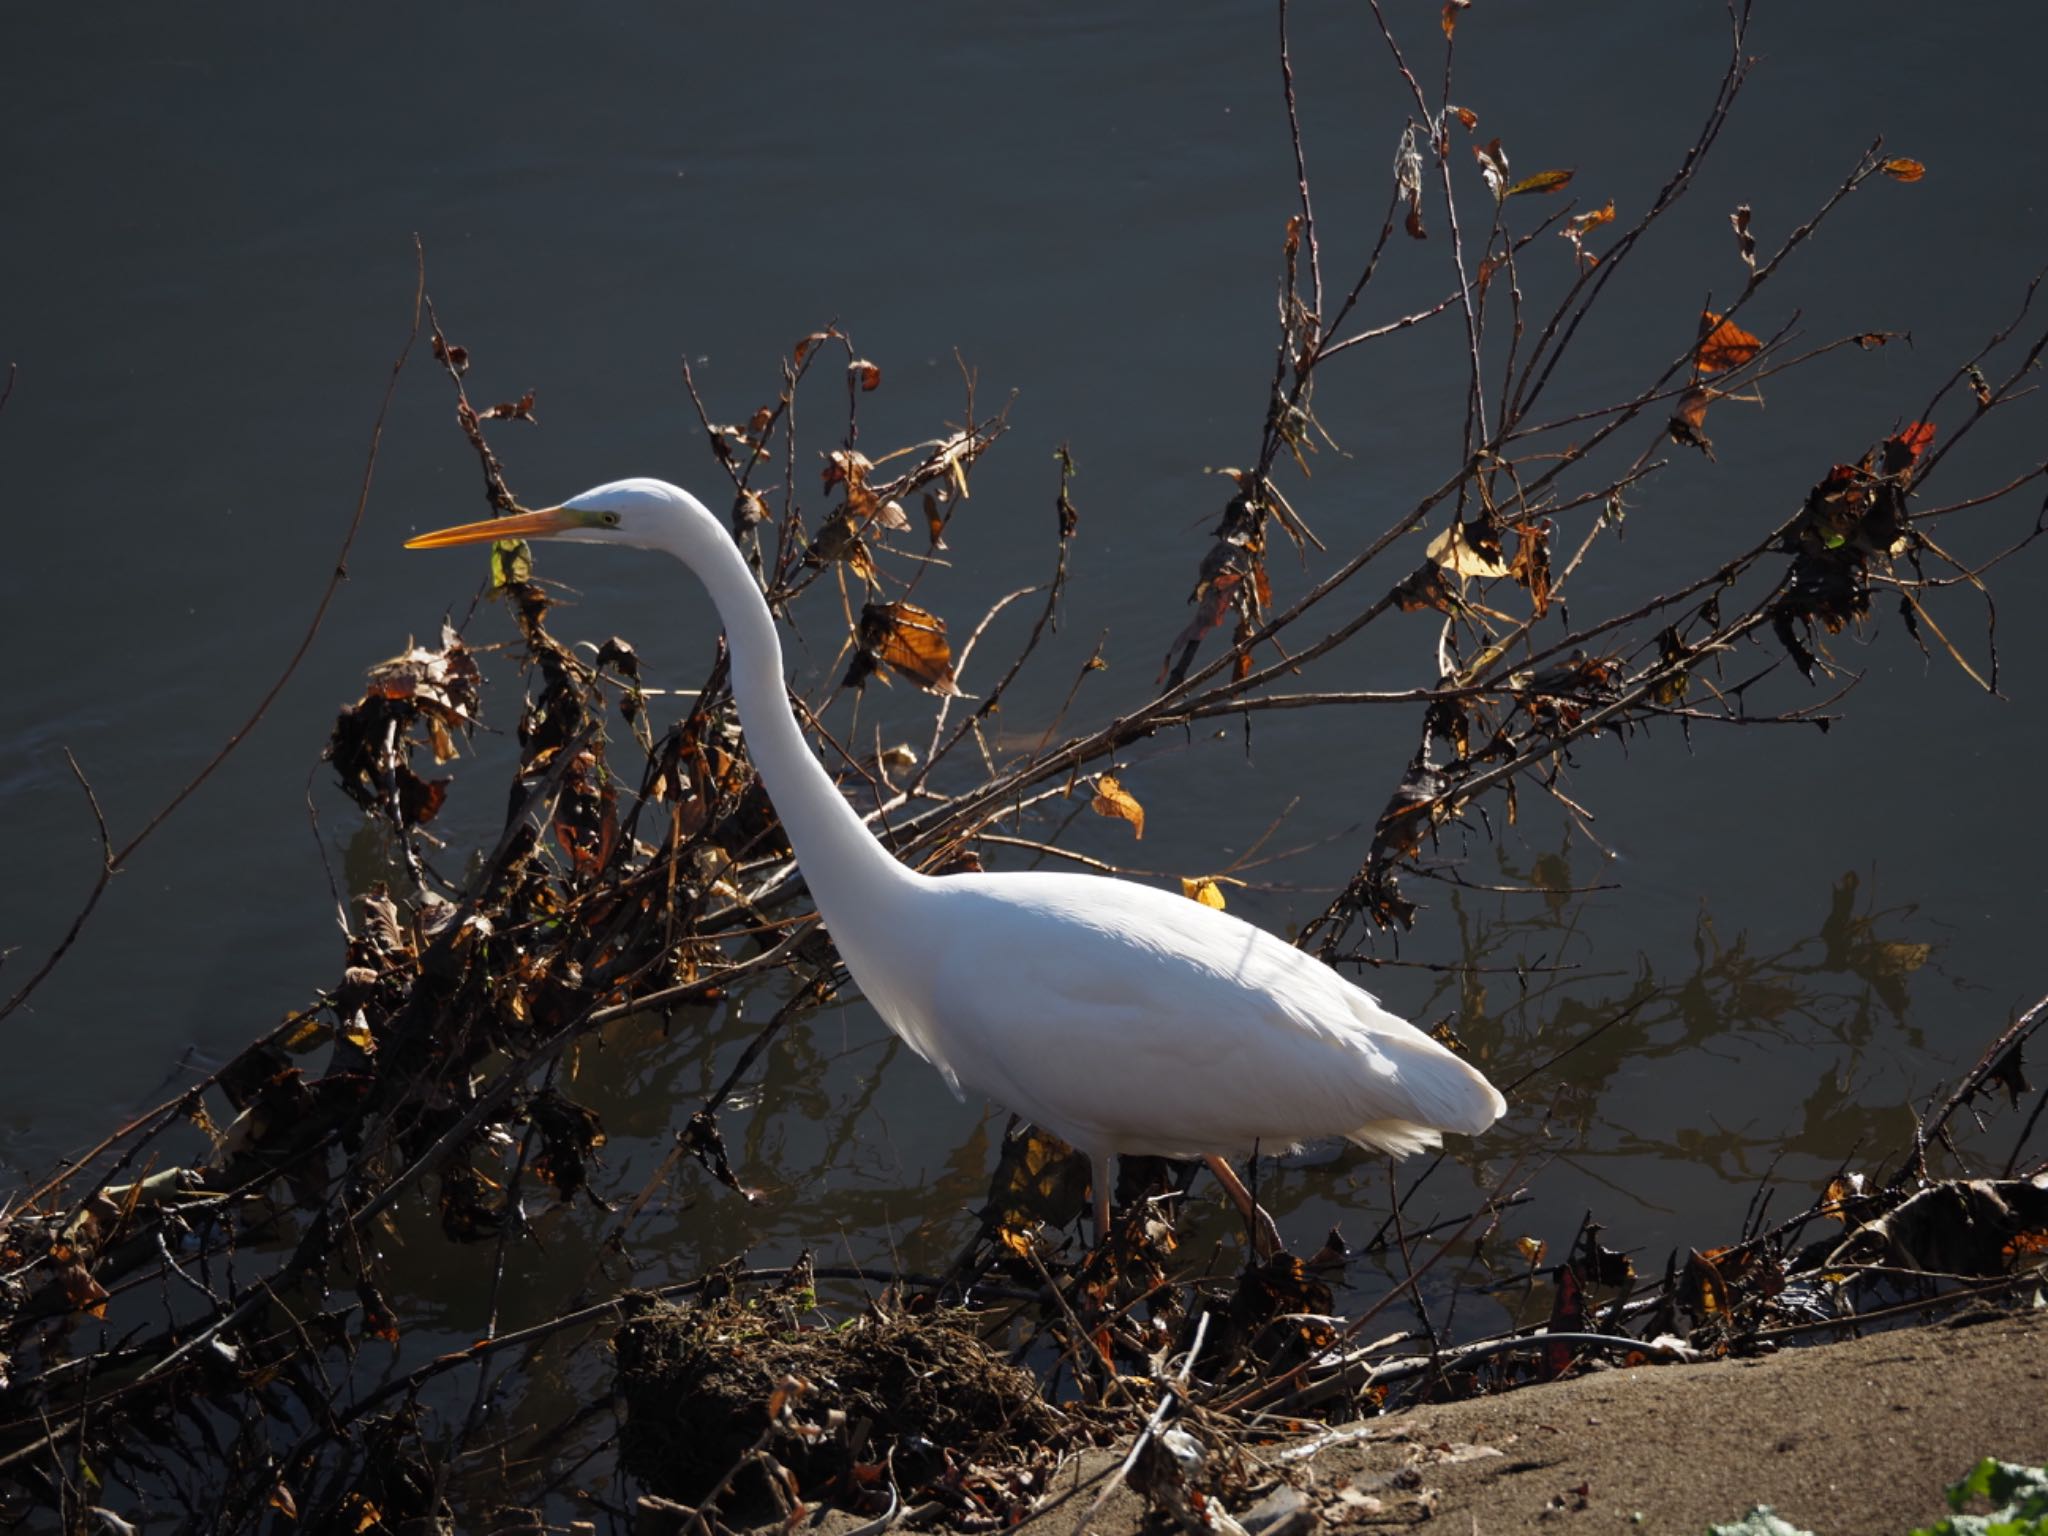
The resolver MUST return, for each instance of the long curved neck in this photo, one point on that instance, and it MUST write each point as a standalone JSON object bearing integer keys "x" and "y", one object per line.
{"x": 844, "y": 866}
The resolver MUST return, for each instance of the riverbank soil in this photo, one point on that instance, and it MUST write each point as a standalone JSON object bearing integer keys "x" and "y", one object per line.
{"x": 1857, "y": 1438}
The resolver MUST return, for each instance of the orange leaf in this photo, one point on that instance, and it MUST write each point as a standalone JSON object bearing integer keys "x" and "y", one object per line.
{"x": 1915, "y": 437}
{"x": 1112, "y": 799}
{"x": 903, "y": 637}
{"x": 1903, "y": 169}
{"x": 1466, "y": 116}
{"x": 1207, "y": 892}
{"x": 868, "y": 375}
{"x": 1451, "y": 9}
{"x": 1724, "y": 344}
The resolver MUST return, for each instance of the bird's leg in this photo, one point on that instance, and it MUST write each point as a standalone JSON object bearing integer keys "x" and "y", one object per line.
{"x": 1099, "y": 1164}
{"x": 1265, "y": 1235}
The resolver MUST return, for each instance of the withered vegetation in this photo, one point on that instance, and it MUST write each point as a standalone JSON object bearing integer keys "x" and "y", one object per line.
{"x": 197, "y": 1315}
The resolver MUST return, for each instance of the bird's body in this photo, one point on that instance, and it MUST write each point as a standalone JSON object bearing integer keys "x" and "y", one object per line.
{"x": 1121, "y": 1018}
{"x": 1132, "y": 1020}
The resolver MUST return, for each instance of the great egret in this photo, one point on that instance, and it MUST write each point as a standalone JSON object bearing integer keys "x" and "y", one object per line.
{"x": 1121, "y": 1018}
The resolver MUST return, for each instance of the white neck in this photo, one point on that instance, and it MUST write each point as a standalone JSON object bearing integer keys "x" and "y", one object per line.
{"x": 846, "y": 869}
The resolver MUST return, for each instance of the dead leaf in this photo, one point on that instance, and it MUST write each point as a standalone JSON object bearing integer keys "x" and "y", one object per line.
{"x": 1469, "y": 549}
{"x": 803, "y": 348}
{"x": 1531, "y": 565}
{"x": 1466, "y": 116}
{"x": 1579, "y": 225}
{"x": 1493, "y": 165}
{"x": 1902, "y": 169}
{"x": 1206, "y": 891}
{"x": 1745, "y": 242}
{"x": 511, "y": 410}
{"x": 1451, "y": 9}
{"x": 1724, "y": 344}
{"x": 1686, "y": 422}
{"x": 1542, "y": 181}
{"x": 1902, "y": 450}
{"x": 902, "y": 637}
{"x": 866, "y": 374}
{"x": 1408, "y": 181}
{"x": 1112, "y": 799}
{"x": 838, "y": 541}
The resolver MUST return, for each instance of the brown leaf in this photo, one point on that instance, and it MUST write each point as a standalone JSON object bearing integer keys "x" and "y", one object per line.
{"x": 1903, "y": 169}
{"x": 514, "y": 410}
{"x": 1451, "y": 9}
{"x": 1686, "y": 422}
{"x": 1542, "y": 181}
{"x": 1531, "y": 565}
{"x": 803, "y": 348}
{"x": 1112, "y": 799}
{"x": 82, "y": 1293}
{"x": 1724, "y": 344}
{"x": 1466, "y": 116}
{"x": 1425, "y": 587}
{"x": 903, "y": 637}
{"x": 456, "y": 358}
{"x": 1413, "y": 222}
{"x": 868, "y": 375}
{"x": 1212, "y": 601}
{"x": 838, "y": 541}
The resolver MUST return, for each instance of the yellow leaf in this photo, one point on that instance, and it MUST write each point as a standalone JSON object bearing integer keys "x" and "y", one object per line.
{"x": 1112, "y": 799}
{"x": 1532, "y": 1249}
{"x": 1207, "y": 892}
{"x": 357, "y": 1033}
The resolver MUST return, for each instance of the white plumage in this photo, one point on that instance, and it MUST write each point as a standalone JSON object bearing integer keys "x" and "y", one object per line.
{"x": 1121, "y": 1018}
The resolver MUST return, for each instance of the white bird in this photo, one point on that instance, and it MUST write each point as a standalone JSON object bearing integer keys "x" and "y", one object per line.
{"x": 1118, "y": 1017}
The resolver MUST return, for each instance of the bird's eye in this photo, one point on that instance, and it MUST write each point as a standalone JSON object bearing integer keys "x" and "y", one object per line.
{"x": 611, "y": 519}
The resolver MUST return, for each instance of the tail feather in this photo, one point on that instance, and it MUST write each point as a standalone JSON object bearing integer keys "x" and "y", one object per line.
{"x": 1400, "y": 1137}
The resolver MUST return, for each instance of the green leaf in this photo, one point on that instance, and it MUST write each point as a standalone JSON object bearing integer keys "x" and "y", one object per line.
{"x": 2020, "y": 1492}
{"x": 511, "y": 562}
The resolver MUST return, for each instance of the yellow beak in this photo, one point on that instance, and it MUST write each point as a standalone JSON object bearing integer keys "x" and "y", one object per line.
{"x": 521, "y": 525}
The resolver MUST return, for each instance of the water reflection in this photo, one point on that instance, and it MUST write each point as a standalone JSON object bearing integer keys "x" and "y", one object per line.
{"x": 1798, "y": 1050}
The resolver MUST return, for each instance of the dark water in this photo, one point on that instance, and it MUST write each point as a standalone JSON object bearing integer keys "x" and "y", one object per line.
{"x": 206, "y": 271}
